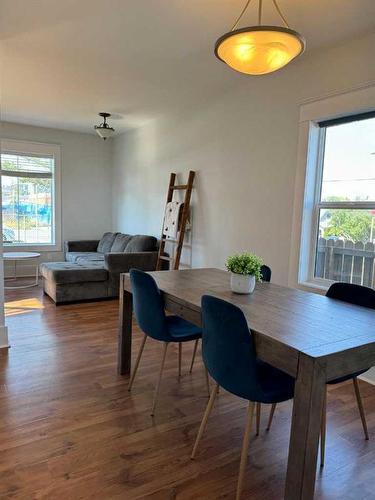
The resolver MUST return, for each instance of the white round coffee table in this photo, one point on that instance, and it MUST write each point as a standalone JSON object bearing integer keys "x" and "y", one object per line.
{"x": 21, "y": 257}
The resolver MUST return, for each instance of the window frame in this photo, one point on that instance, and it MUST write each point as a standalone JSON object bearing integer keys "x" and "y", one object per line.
{"x": 37, "y": 148}
{"x": 339, "y": 106}
{"x": 319, "y": 205}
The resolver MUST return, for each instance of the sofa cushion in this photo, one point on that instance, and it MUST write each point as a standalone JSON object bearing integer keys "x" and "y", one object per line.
{"x": 69, "y": 272}
{"x": 84, "y": 256}
{"x": 106, "y": 242}
{"x": 90, "y": 257}
{"x": 141, "y": 243}
{"x": 120, "y": 242}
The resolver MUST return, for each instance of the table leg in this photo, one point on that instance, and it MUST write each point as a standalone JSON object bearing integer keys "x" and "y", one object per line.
{"x": 37, "y": 275}
{"x": 304, "y": 439}
{"x": 125, "y": 331}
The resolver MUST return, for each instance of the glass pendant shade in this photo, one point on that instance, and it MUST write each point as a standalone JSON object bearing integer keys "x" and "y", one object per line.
{"x": 260, "y": 49}
{"x": 104, "y": 132}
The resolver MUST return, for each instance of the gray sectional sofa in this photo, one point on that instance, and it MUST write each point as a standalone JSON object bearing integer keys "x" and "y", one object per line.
{"x": 92, "y": 267}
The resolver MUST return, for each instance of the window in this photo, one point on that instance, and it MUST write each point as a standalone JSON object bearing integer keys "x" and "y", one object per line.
{"x": 30, "y": 195}
{"x": 342, "y": 228}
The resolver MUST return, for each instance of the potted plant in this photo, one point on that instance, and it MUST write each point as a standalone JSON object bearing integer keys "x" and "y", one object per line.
{"x": 245, "y": 272}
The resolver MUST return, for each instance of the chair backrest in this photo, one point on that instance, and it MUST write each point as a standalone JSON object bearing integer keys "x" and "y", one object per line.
{"x": 354, "y": 294}
{"x": 227, "y": 347}
{"x": 148, "y": 305}
{"x": 266, "y": 272}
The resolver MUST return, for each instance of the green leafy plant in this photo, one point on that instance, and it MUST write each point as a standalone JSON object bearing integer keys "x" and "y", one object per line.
{"x": 245, "y": 263}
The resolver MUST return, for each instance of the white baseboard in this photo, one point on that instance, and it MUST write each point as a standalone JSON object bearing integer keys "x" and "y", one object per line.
{"x": 20, "y": 276}
{"x": 4, "y": 344}
{"x": 367, "y": 379}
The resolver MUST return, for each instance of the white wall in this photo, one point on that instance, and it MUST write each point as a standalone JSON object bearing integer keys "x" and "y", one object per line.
{"x": 243, "y": 148}
{"x": 85, "y": 180}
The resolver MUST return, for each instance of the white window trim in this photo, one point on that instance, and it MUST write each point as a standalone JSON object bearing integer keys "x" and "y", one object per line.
{"x": 309, "y": 167}
{"x": 17, "y": 146}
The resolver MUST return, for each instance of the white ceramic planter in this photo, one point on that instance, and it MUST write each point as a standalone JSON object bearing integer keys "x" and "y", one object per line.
{"x": 242, "y": 283}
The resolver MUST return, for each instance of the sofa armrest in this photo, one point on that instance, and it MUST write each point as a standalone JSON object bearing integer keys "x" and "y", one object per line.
{"x": 123, "y": 262}
{"x": 81, "y": 246}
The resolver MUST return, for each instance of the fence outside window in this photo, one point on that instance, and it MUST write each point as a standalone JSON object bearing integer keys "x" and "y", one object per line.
{"x": 343, "y": 260}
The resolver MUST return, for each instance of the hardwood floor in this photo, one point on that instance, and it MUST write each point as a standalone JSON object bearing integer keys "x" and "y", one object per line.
{"x": 70, "y": 429}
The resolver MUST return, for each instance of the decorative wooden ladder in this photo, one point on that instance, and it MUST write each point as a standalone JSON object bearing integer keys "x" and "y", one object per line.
{"x": 176, "y": 255}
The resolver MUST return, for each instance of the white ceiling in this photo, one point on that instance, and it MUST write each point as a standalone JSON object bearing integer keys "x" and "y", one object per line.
{"x": 63, "y": 61}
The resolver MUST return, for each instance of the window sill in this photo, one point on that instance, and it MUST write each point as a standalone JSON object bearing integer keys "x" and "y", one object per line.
{"x": 32, "y": 248}
{"x": 314, "y": 286}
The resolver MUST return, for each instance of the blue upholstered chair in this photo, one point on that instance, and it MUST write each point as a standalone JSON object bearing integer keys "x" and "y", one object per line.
{"x": 266, "y": 273}
{"x": 266, "y": 276}
{"x": 230, "y": 358}
{"x": 150, "y": 315}
{"x": 359, "y": 296}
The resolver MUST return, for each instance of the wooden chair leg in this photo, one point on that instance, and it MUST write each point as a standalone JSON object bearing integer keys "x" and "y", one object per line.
{"x": 204, "y": 420}
{"x": 270, "y": 418}
{"x": 207, "y": 382}
{"x": 156, "y": 394}
{"x": 137, "y": 362}
{"x": 323, "y": 431}
{"x": 360, "y": 407}
{"x": 258, "y": 411}
{"x": 245, "y": 448}
{"x": 193, "y": 357}
{"x": 179, "y": 359}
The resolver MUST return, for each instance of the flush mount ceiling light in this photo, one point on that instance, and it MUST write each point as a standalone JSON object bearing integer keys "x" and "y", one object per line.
{"x": 261, "y": 49}
{"x": 104, "y": 130}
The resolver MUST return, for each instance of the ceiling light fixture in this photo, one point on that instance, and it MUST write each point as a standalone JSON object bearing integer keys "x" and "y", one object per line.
{"x": 261, "y": 49}
{"x": 104, "y": 130}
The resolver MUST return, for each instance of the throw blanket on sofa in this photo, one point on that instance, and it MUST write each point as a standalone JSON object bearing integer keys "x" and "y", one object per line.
{"x": 171, "y": 219}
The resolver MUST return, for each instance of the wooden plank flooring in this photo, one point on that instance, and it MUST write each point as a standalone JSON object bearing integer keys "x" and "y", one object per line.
{"x": 69, "y": 428}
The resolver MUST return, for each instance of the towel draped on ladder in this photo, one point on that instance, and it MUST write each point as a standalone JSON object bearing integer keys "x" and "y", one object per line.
{"x": 171, "y": 219}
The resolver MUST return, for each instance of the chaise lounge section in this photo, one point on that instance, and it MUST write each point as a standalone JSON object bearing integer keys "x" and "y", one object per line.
{"x": 92, "y": 267}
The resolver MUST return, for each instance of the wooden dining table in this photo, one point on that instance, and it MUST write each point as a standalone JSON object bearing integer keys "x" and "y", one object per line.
{"x": 309, "y": 336}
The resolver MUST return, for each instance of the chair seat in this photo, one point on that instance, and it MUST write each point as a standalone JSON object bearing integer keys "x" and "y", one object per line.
{"x": 181, "y": 330}
{"x": 347, "y": 377}
{"x": 271, "y": 385}
{"x": 276, "y": 386}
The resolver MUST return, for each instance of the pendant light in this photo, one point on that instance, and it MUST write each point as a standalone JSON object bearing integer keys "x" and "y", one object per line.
{"x": 260, "y": 49}
{"x": 104, "y": 130}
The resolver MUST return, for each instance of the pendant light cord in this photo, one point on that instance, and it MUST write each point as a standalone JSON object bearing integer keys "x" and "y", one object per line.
{"x": 241, "y": 15}
{"x": 259, "y": 13}
{"x": 280, "y": 14}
